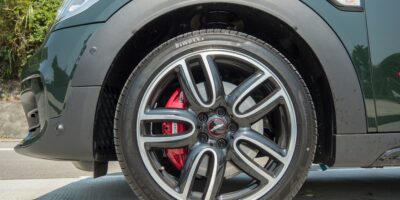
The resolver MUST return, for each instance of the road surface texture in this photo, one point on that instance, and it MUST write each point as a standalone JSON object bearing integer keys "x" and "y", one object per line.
{"x": 28, "y": 178}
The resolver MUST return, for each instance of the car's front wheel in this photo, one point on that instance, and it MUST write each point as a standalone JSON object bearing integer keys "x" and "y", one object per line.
{"x": 215, "y": 114}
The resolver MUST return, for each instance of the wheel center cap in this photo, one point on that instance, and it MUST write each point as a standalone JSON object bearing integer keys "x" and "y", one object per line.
{"x": 217, "y": 127}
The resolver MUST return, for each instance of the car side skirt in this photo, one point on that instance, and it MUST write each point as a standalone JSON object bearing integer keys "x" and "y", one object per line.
{"x": 367, "y": 150}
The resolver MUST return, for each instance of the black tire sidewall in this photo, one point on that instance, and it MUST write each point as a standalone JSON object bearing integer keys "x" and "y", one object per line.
{"x": 148, "y": 69}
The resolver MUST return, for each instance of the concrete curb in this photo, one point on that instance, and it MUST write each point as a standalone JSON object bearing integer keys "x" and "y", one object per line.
{"x": 10, "y": 140}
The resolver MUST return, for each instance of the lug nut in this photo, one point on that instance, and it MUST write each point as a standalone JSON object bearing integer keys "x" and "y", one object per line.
{"x": 202, "y": 117}
{"x": 233, "y": 127}
{"x": 221, "y": 112}
{"x": 221, "y": 143}
{"x": 203, "y": 138}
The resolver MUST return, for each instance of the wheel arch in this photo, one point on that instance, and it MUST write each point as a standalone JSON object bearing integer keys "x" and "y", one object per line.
{"x": 102, "y": 55}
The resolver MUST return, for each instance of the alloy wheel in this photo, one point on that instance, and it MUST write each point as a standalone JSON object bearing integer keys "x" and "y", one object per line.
{"x": 220, "y": 131}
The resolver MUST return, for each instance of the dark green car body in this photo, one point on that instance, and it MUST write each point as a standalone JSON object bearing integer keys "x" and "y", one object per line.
{"x": 370, "y": 39}
{"x": 70, "y": 100}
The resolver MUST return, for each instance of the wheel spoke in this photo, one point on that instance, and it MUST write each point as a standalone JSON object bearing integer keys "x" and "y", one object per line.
{"x": 169, "y": 114}
{"x": 216, "y": 171}
{"x": 189, "y": 87}
{"x": 213, "y": 83}
{"x": 264, "y": 107}
{"x": 214, "y": 86}
{"x": 170, "y": 141}
{"x": 263, "y": 143}
{"x": 249, "y": 167}
{"x": 238, "y": 95}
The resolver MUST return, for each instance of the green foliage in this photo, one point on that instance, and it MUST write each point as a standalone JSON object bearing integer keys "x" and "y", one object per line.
{"x": 23, "y": 27}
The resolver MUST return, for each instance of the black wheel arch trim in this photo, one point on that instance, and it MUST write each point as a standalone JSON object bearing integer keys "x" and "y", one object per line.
{"x": 348, "y": 100}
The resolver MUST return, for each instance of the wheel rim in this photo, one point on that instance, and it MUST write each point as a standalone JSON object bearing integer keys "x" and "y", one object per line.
{"x": 279, "y": 152}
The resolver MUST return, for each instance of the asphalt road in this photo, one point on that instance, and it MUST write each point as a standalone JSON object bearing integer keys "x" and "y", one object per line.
{"x": 27, "y": 178}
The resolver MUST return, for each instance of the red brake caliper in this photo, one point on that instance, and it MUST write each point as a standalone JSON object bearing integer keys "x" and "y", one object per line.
{"x": 176, "y": 156}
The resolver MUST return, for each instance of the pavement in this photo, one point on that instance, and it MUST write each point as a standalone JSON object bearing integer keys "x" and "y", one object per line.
{"x": 24, "y": 178}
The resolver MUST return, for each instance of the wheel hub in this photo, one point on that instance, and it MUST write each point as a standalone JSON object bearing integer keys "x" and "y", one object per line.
{"x": 217, "y": 127}
{"x": 229, "y": 128}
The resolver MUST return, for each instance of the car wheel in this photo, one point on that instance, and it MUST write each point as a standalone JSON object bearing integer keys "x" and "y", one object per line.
{"x": 215, "y": 114}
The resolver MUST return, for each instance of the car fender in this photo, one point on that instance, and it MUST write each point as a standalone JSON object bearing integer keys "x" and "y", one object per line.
{"x": 105, "y": 44}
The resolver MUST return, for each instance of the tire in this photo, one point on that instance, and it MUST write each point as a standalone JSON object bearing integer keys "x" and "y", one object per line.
{"x": 292, "y": 120}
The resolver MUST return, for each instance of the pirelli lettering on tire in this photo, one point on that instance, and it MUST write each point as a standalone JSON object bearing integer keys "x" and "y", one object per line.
{"x": 188, "y": 42}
